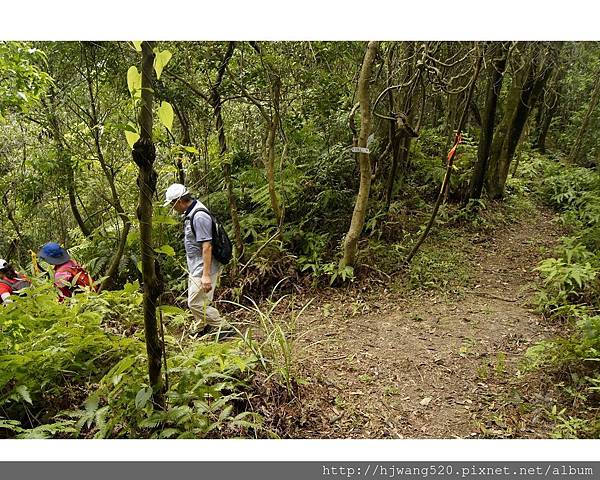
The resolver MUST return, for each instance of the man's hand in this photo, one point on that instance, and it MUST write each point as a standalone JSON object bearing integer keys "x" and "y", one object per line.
{"x": 206, "y": 283}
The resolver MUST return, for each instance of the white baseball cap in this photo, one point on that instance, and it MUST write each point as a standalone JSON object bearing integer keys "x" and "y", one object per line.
{"x": 174, "y": 192}
{"x": 3, "y": 264}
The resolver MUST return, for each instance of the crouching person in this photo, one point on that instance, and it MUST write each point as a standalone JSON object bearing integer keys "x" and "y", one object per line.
{"x": 69, "y": 276}
{"x": 203, "y": 266}
{"x": 11, "y": 281}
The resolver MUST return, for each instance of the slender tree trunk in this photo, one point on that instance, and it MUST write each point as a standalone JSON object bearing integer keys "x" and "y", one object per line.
{"x": 112, "y": 270}
{"x": 360, "y": 207}
{"x": 449, "y": 163}
{"x": 144, "y": 154}
{"x": 269, "y": 157}
{"x": 70, "y": 178}
{"x": 219, "y": 125}
{"x": 547, "y": 109}
{"x": 576, "y": 150}
{"x": 497, "y": 68}
{"x": 529, "y": 98}
{"x": 11, "y": 217}
{"x": 185, "y": 139}
{"x": 547, "y": 116}
{"x": 66, "y": 166}
{"x": 522, "y": 100}
{"x": 492, "y": 178}
{"x": 409, "y": 110}
{"x": 401, "y": 144}
{"x": 394, "y": 139}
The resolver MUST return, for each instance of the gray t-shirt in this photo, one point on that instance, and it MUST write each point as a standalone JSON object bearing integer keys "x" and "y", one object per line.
{"x": 193, "y": 246}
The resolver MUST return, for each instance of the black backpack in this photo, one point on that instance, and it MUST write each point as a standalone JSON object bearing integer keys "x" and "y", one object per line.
{"x": 222, "y": 248}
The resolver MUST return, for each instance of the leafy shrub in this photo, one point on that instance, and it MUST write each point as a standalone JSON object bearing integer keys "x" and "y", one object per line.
{"x": 570, "y": 293}
{"x": 565, "y": 278}
{"x": 206, "y": 395}
{"x": 51, "y": 352}
{"x": 87, "y": 351}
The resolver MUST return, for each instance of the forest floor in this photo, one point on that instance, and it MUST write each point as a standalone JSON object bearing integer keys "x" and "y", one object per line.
{"x": 392, "y": 362}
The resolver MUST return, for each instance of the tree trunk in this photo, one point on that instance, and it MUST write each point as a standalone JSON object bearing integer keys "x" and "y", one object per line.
{"x": 497, "y": 68}
{"x": 70, "y": 177}
{"x": 360, "y": 207}
{"x": 65, "y": 164}
{"x": 576, "y": 150}
{"x": 112, "y": 270}
{"x": 394, "y": 139}
{"x": 144, "y": 155}
{"x": 400, "y": 144}
{"x": 185, "y": 139}
{"x": 547, "y": 110}
{"x": 216, "y": 103}
{"x": 269, "y": 157}
{"x": 11, "y": 218}
{"x": 521, "y": 101}
{"x": 449, "y": 163}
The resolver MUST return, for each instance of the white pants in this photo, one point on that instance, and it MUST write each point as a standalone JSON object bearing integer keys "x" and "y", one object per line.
{"x": 199, "y": 302}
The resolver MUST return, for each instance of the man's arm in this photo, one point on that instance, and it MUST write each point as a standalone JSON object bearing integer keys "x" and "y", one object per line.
{"x": 207, "y": 257}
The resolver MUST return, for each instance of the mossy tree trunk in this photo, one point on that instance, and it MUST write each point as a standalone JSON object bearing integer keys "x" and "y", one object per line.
{"x": 144, "y": 155}
{"x": 522, "y": 98}
{"x": 547, "y": 109}
{"x": 496, "y": 75}
{"x": 362, "y": 199}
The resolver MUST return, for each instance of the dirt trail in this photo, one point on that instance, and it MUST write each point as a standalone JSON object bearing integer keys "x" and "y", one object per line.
{"x": 423, "y": 365}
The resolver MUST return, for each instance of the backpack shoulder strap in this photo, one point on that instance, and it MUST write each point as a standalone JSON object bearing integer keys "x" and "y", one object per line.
{"x": 193, "y": 214}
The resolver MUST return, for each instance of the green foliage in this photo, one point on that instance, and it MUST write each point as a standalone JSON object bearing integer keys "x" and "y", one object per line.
{"x": 88, "y": 350}
{"x": 134, "y": 82}
{"x": 207, "y": 385}
{"x": 161, "y": 59}
{"x": 275, "y": 344}
{"x": 570, "y": 291}
{"x": 166, "y": 115}
{"x": 52, "y": 351}
{"x": 567, "y": 277}
{"x": 22, "y": 78}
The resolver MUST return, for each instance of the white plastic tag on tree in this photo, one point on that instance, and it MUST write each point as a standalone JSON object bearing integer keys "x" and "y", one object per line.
{"x": 360, "y": 150}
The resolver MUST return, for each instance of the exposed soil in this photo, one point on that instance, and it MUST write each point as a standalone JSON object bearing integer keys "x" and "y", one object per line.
{"x": 422, "y": 364}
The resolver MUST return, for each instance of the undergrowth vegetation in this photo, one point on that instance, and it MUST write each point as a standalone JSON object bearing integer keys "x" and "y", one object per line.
{"x": 569, "y": 295}
{"x": 78, "y": 369}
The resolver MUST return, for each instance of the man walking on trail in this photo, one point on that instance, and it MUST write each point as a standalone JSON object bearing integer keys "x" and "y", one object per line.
{"x": 203, "y": 268}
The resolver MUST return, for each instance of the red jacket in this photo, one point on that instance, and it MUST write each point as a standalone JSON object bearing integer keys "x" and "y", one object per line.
{"x": 69, "y": 276}
{"x": 7, "y": 285}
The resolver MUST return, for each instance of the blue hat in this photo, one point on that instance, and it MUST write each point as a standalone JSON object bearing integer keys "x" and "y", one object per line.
{"x": 54, "y": 254}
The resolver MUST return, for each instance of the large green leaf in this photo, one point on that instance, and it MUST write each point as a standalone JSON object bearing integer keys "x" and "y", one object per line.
{"x": 160, "y": 61}
{"x": 165, "y": 115}
{"x": 134, "y": 82}
{"x": 132, "y": 137}
{"x": 23, "y": 392}
{"x": 166, "y": 249}
{"x": 142, "y": 397}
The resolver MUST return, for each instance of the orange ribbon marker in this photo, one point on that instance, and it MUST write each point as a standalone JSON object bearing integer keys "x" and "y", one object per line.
{"x": 452, "y": 151}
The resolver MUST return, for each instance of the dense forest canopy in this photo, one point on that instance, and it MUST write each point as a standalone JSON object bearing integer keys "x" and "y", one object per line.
{"x": 329, "y": 163}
